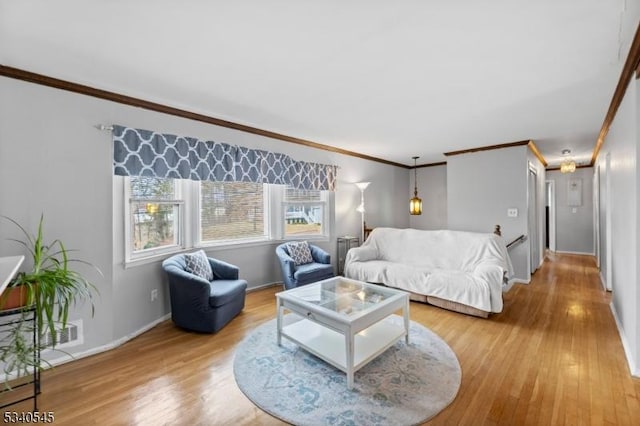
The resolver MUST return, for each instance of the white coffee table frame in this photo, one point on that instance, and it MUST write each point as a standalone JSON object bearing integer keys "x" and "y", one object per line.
{"x": 348, "y": 341}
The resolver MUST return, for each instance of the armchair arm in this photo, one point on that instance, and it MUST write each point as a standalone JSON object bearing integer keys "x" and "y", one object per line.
{"x": 182, "y": 275}
{"x": 287, "y": 265}
{"x": 191, "y": 291}
{"x": 320, "y": 255}
{"x": 223, "y": 270}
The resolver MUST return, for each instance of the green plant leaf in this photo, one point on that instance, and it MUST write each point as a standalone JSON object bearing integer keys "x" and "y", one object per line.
{"x": 52, "y": 286}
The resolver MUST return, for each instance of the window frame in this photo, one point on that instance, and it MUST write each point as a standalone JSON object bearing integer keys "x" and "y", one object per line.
{"x": 130, "y": 254}
{"x": 232, "y": 241}
{"x": 323, "y": 226}
{"x": 189, "y": 222}
{"x": 323, "y": 202}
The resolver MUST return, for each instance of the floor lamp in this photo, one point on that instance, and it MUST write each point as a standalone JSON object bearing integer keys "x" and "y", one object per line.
{"x": 362, "y": 186}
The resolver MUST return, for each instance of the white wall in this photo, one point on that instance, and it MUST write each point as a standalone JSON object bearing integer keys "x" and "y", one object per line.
{"x": 621, "y": 145}
{"x": 604, "y": 211}
{"x": 432, "y": 188}
{"x": 574, "y": 224}
{"x": 482, "y": 186}
{"x": 53, "y": 160}
{"x": 633, "y": 286}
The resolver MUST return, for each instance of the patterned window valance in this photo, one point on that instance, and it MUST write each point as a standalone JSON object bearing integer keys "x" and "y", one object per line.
{"x": 145, "y": 153}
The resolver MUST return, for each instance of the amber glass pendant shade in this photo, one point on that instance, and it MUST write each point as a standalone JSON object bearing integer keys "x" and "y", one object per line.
{"x": 415, "y": 204}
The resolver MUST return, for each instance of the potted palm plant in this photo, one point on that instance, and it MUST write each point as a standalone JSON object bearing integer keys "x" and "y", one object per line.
{"x": 50, "y": 286}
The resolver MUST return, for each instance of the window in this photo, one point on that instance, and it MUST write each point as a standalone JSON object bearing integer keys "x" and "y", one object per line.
{"x": 155, "y": 212}
{"x": 231, "y": 211}
{"x": 168, "y": 215}
{"x": 304, "y": 213}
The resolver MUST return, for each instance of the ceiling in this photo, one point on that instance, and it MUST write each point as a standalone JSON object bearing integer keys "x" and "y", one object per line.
{"x": 389, "y": 79}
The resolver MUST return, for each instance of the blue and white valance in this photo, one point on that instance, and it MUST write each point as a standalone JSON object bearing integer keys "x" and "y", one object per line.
{"x": 145, "y": 153}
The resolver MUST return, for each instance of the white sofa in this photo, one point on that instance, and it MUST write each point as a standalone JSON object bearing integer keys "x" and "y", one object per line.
{"x": 458, "y": 270}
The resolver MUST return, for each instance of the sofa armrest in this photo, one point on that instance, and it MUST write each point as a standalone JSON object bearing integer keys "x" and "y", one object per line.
{"x": 493, "y": 275}
{"x": 490, "y": 272}
{"x": 361, "y": 254}
{"x": 223, "y": 270}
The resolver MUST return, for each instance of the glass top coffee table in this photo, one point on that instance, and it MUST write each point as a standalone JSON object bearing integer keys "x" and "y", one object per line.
{"x": 342, "y": 321}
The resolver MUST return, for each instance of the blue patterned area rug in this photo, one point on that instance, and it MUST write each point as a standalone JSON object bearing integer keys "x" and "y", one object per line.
{"x": 406, "y": 385}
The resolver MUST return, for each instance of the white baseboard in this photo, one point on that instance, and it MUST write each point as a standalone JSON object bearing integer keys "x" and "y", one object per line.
{"x": 603, "y": 281}
{"x": 506, "y": 287}
{"x": 625, "y": 343}
{"x": 108, "y": 346}
{"x": 74, "y": 356}
{"x": 125, "y": 339}
{"x": 576, "y": 252}
{"x": 263, "y": 286}
{"x": 519, "y": 281}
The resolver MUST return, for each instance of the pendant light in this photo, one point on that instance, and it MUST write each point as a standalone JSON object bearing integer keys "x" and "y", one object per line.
{"x": 415, "y": 204}
{"x": 567, "y": 165}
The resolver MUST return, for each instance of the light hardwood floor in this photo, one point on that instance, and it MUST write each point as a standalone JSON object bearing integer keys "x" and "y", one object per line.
{"x": 553, "y": 356}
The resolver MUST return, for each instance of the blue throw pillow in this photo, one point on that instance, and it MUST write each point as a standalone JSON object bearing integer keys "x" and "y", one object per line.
{"x": 300, "y": 253}
{"x": 198, "y": 264}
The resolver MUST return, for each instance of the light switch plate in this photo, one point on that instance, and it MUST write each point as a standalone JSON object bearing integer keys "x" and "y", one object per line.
{"x": 512, "y": 212}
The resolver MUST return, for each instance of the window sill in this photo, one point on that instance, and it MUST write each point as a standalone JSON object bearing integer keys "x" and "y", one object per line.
{"x": 214, "y": 247}
{"x": 153, "y": 258}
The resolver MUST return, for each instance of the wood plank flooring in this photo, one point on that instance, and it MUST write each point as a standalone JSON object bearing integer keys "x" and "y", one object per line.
{"x": 553, "y": 356}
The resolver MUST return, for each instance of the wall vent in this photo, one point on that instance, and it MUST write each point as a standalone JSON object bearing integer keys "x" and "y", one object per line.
{"x": 70, "y": 335}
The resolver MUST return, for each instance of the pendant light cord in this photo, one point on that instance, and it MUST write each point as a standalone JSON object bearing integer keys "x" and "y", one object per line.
{"x": 415, "y": 177}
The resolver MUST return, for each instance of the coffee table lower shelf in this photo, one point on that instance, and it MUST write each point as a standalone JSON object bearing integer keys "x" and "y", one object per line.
{"x": 330, "y": 345}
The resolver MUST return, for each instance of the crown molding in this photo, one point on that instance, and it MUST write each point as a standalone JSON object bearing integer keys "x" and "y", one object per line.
{"x": 631, "y": 65}
{"x": 486, "y": 148}
{"x": 532, "y": 146}
{"x": 56, "y": 83}
{"x": 441, "y": 163}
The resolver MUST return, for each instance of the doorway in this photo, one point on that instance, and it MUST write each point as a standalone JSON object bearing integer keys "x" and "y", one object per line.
{"x": 596, "y": 213}
{"x": 606, "y": 275}
{"x": 534, "y": 249}
{"x": 550, "y": 213}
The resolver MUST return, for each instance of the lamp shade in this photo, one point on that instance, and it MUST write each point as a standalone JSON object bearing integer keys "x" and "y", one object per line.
{"x": 415, "y": 206}
{"x": 362, "y": 185}
{"x": 568, "y": 167}
{"x": 360, "y": 209}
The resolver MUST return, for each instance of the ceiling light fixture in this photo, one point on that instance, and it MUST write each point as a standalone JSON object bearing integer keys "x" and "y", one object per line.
{"x": 567, "y": 165}
{"x": 415, "y": 204}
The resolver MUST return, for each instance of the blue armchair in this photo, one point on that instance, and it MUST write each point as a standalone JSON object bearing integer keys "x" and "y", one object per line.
{"x": 295, "y": 276}
{"x": 201, "y": 305}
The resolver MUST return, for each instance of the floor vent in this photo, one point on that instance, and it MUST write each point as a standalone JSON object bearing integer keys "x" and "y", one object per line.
{"x": 70, "y": 335}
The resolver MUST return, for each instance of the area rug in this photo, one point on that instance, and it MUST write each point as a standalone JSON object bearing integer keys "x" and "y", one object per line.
{"x": 407, "y": 384}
